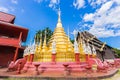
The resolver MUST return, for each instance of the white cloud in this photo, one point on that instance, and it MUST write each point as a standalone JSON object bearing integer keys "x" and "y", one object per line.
{"x": 105, "y": 20}
{"x": 105, "y": 7}
{"x": 118, "y": 33}
{"x": 78, "y": 3}
{"x": 101, "y": 32}
{"x": 7, "y": 9}
{"x": 4, "y": 9}
{"x": 95, "y": 3}
{"x": 14, "y": 1}
{"x": 89, "y": 17}
{"x": 53, "y": 3}
{"x": 38, "y": 1}
{"x": 117, "y": 1}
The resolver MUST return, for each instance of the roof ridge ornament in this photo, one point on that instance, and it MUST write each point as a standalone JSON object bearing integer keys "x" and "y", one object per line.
{"x": 102, "y": 47}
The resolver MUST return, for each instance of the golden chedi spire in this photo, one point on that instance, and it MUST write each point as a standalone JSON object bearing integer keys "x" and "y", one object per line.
{"x": 44, "y": 43}
{"x": 45, "y": 55}
{"x": 70, "y": 50}
{"x": 82, "y": 47}
{"x": 39, "y": 50}
{"x": 93, "y": 51}
{"x": 81, "y": 43}
{"x": 40, "y": 43}
{"x": 36, "y": 48}
{"x": 61, "y": 39}
{"x": 76, "y": 50}
{"x": 70, "y": 45}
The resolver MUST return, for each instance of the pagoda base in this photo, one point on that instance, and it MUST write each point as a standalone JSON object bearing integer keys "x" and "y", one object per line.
{"x": 56, "y": 67}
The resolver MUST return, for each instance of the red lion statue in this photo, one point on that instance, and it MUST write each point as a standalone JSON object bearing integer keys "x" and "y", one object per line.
{"x": 17, "y": 65}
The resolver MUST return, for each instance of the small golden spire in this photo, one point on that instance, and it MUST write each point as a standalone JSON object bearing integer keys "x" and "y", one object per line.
{"x": 44, "y": 43}
{"x": 93, "y": 49}
{"x": 68, "y": 34}
{"x": 75, "y": 34}
{"x": 40, "y": 44}
{"x": 37, "y": 39}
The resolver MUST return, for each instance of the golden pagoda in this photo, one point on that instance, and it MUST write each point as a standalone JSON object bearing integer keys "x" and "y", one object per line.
{"x": 63, "y": 48}
{"x": 38, "y": 56}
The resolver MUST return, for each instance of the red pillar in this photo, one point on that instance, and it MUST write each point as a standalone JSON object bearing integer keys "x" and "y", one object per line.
{"x": 77, "y": 58}
{"x": 20, "y": 36}
{"x": 87, "y": 57}
{"x": 31, "y": 58}
{"x": 90, "y": 56}
{"x": 16, "y": 51}
{"x": 16, "y": 54}
{"x": 53, "y": 57}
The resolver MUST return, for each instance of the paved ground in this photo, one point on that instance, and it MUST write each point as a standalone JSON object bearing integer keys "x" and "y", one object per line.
{"x": 115, "y": 77}
{"x": 57, "y": 76}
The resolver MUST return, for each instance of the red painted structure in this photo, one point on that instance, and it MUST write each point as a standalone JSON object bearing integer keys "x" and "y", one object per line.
{"x": 4, "y": 17}
{"x": 77, "y": 57}
{"x": 11, "y": 37}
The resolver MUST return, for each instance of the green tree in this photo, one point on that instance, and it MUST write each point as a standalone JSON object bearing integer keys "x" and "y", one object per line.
{"x": 72, "y": 41}
{"x": 41, "y": 33}
{"x": 117, "y": 51}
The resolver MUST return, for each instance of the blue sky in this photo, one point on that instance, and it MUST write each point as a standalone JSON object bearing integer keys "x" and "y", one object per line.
{"x": 99, "y": 17}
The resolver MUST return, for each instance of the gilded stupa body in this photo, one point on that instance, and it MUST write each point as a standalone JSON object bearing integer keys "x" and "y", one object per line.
{"x": 64, "y": 47}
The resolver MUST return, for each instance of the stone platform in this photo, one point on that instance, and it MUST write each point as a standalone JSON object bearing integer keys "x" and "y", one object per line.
{"x": 59, "y": 66}
{"x": 57, "y": 71}
{"x": 57, "y": 76}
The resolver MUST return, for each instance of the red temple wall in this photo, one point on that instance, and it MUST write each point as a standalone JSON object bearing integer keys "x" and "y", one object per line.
{"x": 9, "y": 41}
{"x": 6, "y": 58}
{"x": 6, "y": 55}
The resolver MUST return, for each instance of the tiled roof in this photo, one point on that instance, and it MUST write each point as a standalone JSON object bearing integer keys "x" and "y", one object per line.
{"x": 7, "y": 17}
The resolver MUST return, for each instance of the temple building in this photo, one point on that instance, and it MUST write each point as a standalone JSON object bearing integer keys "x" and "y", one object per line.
{"x": 103, "y": 51}
{"x": 11, "y": 37}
